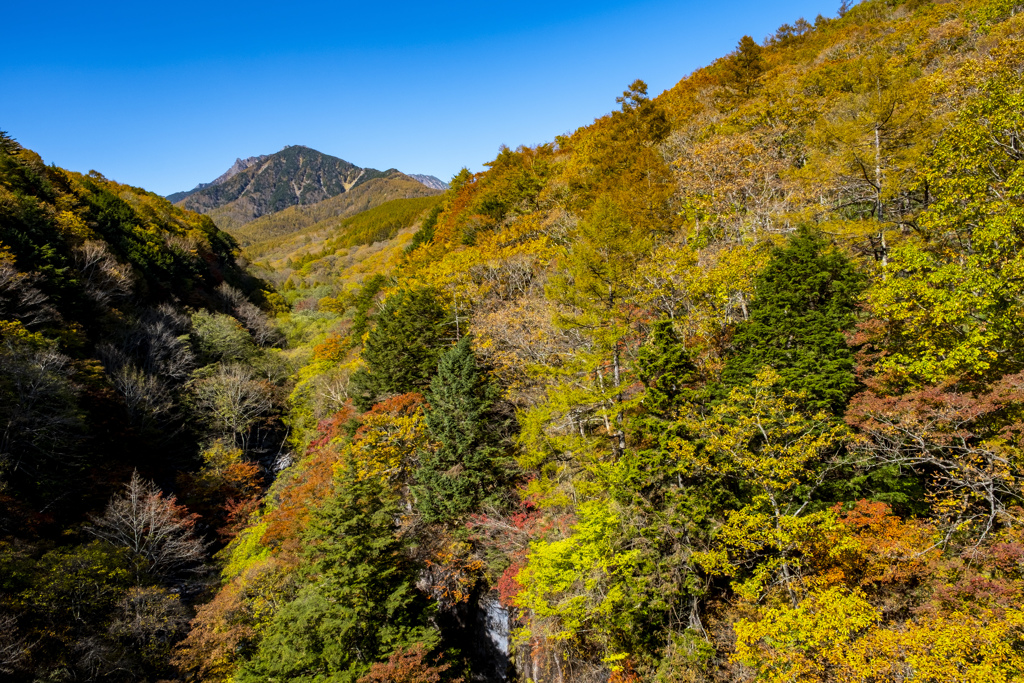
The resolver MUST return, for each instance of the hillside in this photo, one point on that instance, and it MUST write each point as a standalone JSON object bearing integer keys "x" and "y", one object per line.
{"x": 722, "y": 387}
{"x": 324, "y": 253}
{"x": 294, "y": 176}
{"x": 725, "y": 387}
{"x": 330, "y": 212}
{"x": 139, "y": 374}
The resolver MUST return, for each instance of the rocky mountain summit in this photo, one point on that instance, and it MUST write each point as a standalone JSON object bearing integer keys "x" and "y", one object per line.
{"x": 266, "y": 184}
{"x": 236, "y": 168}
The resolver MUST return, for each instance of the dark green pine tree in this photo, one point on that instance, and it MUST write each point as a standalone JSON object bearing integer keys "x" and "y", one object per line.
{"x": 359, "y": 605}
{"x": 805, "y": 299}
{"x": 363, "y": 301}
{"x": 402, "y": 351}
{"x": 466, "y": 467}
{"x": 668, "y": 372}
{"x": 669, "y": 376}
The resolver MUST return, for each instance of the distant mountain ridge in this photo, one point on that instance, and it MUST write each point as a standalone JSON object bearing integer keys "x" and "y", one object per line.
{"x": 236, "y": 168}
{"x": 265, "y": 184}
{"x": 430, "y": 181}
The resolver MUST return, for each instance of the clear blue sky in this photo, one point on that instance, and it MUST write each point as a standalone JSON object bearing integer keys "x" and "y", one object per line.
{"x": 166, "y": 95}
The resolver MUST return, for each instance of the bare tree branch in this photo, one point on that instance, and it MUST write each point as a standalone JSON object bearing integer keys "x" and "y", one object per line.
{"x": 153, "y": 527}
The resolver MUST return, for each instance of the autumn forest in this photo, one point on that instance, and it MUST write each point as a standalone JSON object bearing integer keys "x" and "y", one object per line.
{"x": 726, "y": 386}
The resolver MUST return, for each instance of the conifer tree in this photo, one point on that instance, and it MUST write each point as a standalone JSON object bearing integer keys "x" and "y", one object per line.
{"x": 360, "y": 605}
{"x": 745, "y": 68}
{"x": 464, "y": 468}
{"x": 363, "y": 301}
{"x": 641, "y": 118}
{"x": 401, "y": 352}
{"x": 666, "y": 369}
{"x": 805, "y": 299}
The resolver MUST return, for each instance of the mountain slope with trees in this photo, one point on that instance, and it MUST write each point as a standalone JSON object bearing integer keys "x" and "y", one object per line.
{"x": 306, "y": 221}
{"x": 756, "y": 335}
{"x": 141, "y": 389}
{"x": 294, "y": 176}
{"x": 726, "y": 386}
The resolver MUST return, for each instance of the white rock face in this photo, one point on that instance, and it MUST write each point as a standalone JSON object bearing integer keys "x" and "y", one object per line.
{"x": 430, "y": 181}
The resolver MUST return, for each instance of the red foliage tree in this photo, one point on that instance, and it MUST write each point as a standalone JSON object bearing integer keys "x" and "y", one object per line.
{"x": 408, "y": 665}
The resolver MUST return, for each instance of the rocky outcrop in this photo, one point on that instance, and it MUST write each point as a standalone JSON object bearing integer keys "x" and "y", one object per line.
{"x": 430, "y": 181}
{"x": 236, "y": 168}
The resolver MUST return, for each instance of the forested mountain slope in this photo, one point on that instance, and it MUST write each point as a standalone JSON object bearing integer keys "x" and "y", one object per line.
{"x": 726, "y": 386}
{"x": 133, "y": 350}
{"x": 329, "y": 213}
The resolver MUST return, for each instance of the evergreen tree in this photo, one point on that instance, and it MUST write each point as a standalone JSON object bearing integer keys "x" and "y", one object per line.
{"x": 360, "y": 605}
{"x": 465, "y": 467}
{"x": 805, "y": 298}
{"x": 401, "y": 352}
{"x": 641, "y": 117}
{"x": 744, "y": 69}
{"x": 363, "y": 301}
{"x": 666, "y": 369}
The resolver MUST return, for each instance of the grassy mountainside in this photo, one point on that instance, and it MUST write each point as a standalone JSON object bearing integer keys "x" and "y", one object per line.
{"x": 294, "y": 176}
{"x": 331, "y": 212}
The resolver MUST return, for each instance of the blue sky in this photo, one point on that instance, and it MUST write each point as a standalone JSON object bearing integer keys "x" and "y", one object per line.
{"x": 166, "y": 95}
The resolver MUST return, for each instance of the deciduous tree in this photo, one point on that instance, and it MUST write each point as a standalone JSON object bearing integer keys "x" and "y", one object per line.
{"x": 231, "y": 400}
{"x": 153, "y": 527}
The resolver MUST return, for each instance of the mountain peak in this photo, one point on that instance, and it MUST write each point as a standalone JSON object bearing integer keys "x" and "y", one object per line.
{"x": 295, "y": 175}
{"x": 236, "y": 168}
{"x": 264, "y": 184}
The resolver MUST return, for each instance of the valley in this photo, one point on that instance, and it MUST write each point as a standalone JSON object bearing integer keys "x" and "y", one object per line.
{"x": 725, "y": 386}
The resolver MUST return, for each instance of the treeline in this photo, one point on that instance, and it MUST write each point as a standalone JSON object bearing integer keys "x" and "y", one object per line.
{"x": 725, "y": 386}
